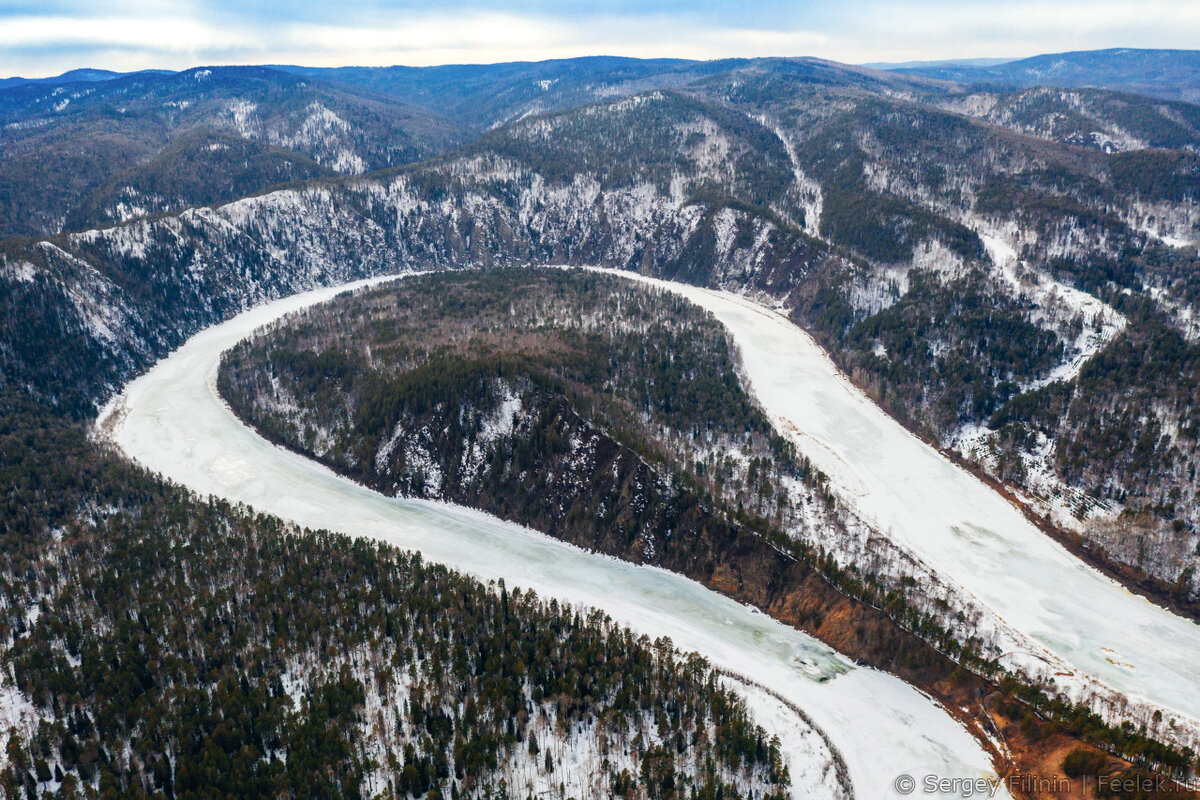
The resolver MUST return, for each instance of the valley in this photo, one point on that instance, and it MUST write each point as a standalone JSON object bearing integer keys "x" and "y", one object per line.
{"x": 172, "y": 420}
{"x": 1035, "y": 652}
{"x": 868, "y": 397}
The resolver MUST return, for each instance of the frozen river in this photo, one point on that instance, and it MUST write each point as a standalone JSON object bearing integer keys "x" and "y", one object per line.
{"x": 171, "y": 420}
{"x": 1080, "y": 619}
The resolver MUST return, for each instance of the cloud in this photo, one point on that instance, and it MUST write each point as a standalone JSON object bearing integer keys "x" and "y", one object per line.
{"x": 503, "y": 37}
{"x": 1021, "y": 28}
{"x": 49, "y": 44}
{"x": 157, "y": 33}
{"x": 163, "y": 34}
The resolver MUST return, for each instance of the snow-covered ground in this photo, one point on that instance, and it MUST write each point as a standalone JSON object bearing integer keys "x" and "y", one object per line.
{"x": 1091, "y": 635}
{"x": 1056, "y": 299}
{"x": 173, "y": 421}
{"x": 813, "y": 775}
{"x": 1054, "y": 302}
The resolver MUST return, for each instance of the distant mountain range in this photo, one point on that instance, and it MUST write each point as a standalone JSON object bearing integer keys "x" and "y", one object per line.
{"x": 84, "y": 75}
{"x": 472, "y": 91}
{"x": 1167, "y": 74}
{"x": 951, "y": 62}
{"x": 485, "y": 95}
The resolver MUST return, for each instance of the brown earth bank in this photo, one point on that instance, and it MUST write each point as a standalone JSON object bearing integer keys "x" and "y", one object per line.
{"x": 1050, "y": 763}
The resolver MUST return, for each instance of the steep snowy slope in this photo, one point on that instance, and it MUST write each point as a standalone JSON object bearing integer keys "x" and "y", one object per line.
{"x": 518, "y": 200}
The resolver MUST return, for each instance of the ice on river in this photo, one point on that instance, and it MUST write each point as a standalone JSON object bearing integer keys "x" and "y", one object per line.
{"x": 969, "y": 534}
{"x": 171, "y": 420}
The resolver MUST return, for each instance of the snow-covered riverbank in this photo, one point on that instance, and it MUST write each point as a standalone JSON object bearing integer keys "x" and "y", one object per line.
{"x": 1087, "y": 632}
{"x": 172, "y": 420}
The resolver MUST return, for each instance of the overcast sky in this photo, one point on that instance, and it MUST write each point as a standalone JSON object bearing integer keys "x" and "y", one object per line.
{"x": 46, "y": 37}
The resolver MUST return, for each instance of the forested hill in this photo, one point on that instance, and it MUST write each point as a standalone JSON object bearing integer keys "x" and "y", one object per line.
{"x": 576, "y": 403}
{"x": 955, "y": 250}
{"x": 599, "y": 412}
{"x": 159, "y": 645}
{"x": 94, "y": 153}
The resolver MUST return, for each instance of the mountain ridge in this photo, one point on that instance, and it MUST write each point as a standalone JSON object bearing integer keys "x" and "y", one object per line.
{"x": 1165, "y": 74}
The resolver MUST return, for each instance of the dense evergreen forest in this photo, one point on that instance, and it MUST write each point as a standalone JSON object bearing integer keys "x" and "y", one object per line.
{"x": 156, "y": 644}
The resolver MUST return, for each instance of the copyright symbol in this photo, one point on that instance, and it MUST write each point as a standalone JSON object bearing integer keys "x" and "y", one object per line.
{"x": 904, "y": 784}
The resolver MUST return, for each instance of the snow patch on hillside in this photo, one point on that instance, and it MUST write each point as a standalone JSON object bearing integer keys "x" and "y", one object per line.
{"x": 972, "y": 105}
{"x": 1187, "y": 318}
{"x": 326, "y": 135}
{"x": 1041, "y": 489}
{"x": 706, "y": 144}
{"x": 631, "y": 103}
{"x": 133, "y": 204}
{"x": 1055, "y": 302}
{"x": 879, "y": 288}
{"x": 1054, "y": 305}
{"x": 808, "y": 192}
{"x": 96, "y": 299}
{"x": 17, "y": 712}
{"x": 502, "y": 422}
{"x": 1048, "y": 113}
{"x": 19, "y": 271}
{"x": 933, "y": 256}
{"x": 242, "y": 112}
{"x": 1173, "y": 224}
